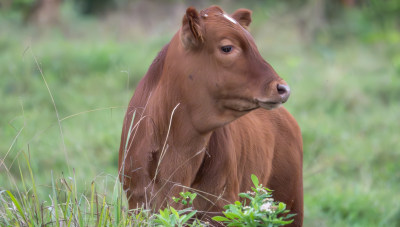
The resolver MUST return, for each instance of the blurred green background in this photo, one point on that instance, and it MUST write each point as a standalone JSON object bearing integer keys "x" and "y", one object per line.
{"x": 341, "y": 59}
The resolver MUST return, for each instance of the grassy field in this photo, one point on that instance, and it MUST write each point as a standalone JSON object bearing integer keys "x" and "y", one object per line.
{"x": 63, "y": 94}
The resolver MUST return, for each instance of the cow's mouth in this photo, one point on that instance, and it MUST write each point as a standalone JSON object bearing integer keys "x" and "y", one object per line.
{"x": 240, "y": 104}
{"x": 246, "y": 105}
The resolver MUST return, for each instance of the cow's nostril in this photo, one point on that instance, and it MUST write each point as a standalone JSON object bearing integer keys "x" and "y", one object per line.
{"x": 283, "y": 89}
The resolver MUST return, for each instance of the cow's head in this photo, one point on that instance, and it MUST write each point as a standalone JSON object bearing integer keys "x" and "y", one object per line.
{"x": 223, "y": 67}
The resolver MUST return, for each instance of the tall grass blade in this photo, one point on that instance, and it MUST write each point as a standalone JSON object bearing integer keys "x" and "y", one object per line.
{"x": 126, "y": 148}
{"x": 92, "y": 190}
{"x": 36, "y": 202}
{"x": 55, "y": 201}
{"x": 25, "y": 202}
{"x": 55, "y": 109}
{"x": 17, "y": 205}
{"x": 66, "y": 212}
{"x": 102, "y": 213}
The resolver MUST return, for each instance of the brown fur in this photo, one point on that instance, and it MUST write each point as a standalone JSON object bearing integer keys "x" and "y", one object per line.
{"x": 198, "y": 123}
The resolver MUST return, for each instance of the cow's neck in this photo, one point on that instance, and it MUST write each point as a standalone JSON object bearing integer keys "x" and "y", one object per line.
{"x": 172, "y": 120}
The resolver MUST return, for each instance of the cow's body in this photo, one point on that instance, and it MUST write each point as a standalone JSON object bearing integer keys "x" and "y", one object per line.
{"x": 198, "y": 123}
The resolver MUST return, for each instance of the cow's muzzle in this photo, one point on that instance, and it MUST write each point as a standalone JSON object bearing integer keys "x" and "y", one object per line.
{"x": 279, "y": 95}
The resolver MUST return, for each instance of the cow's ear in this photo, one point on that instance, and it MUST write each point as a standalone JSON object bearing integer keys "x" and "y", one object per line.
{"x": 243, "y": 16}
{"x": 192, "y": 32}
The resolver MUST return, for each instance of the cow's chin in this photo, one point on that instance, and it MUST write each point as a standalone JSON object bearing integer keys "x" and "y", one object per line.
{"x": 270, "y": 105}
{"x": 241, "y": 110}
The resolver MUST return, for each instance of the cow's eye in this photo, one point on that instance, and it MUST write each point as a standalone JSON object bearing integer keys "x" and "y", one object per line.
{"x": 227, "y": 49}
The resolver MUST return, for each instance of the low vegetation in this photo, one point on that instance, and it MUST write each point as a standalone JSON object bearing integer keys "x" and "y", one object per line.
{"x": 67, "y": 207}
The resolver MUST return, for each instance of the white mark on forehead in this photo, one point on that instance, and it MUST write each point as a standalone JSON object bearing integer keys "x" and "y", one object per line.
{"x": 230, "y": 18}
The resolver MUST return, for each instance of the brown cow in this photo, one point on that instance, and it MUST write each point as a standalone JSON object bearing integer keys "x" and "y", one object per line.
{"x": 195, "y": 121}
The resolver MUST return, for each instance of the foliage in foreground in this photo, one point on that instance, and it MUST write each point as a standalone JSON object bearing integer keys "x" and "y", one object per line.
{"x": 261, "y": 211}
{"x": 67, "y": 207}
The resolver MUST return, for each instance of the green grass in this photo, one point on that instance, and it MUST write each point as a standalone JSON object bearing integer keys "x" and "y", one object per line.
{"x": 345, "y": 96}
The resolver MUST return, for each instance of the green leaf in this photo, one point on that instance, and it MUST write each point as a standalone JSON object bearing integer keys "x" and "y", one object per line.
{"x": 245, "y": 195}
{"x": 237, "y": 203}
{"x": 185, "y": 210}
{"x": 183, "y": 195}
{"x": 189, "y": 216}
{"x": 254, "y": 178}
{"x": 176, "y": 200}
{"x": 220, "y": 218}
{"x": 232, "y": 215}
{"x": 174, "y": 212}
{"x": 192, "y": 197}
{"x": 290, "y": 215}
{"x": 236, "y": 224}
{"x": 281, "y": 206}
{"x": 281, "y": 222}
